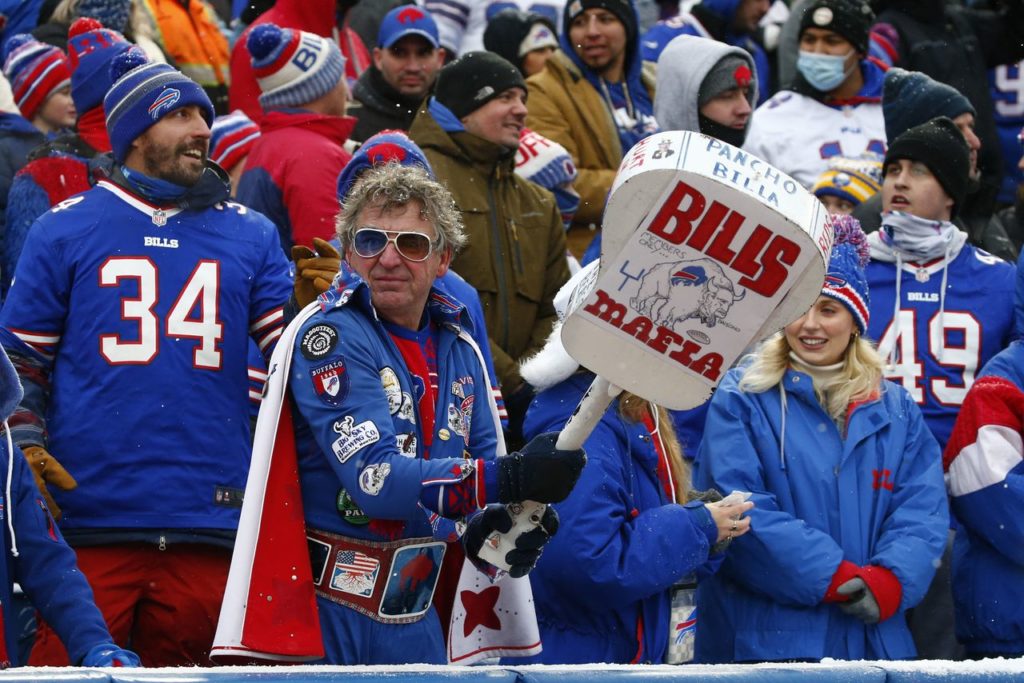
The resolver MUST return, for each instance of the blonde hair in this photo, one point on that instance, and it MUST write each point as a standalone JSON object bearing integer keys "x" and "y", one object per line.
{"x": 633, "y": 408}
{"x": 859, "y": 378}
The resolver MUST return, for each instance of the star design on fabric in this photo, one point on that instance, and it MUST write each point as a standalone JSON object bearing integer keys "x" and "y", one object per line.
{"x": 480, "y": 609}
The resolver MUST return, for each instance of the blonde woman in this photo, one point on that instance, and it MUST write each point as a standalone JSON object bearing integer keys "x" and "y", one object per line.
{"x": 851, "y": 512}
{"x": 627, "y": 534}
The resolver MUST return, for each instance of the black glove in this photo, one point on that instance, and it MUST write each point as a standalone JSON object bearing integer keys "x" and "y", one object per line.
{"x": 529, "y": 546}
{"x": 539, "y": 472}
{"x": 862, "y": 603}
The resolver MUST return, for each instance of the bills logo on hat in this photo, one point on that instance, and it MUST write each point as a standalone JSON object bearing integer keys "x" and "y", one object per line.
{"x": 410, "y": 15}
{"x": 164, "y": 103}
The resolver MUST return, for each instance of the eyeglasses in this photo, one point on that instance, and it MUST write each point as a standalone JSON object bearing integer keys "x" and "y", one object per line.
{"x": 412, "y": 246}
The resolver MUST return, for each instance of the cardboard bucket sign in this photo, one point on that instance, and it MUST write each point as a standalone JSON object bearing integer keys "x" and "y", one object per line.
{"x": 705, "y": 250}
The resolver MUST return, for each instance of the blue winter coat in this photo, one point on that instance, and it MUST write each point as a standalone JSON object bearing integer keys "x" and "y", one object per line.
{"x": 876, "y": 497}
{"x": 602, "y": 587}
{"x": 986, "y": 481}
{"x": 45, "y": 568}
{"x": 366, "y": 437}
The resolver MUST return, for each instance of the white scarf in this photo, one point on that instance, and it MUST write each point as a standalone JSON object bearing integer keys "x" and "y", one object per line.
{"x": 916, "y": 239}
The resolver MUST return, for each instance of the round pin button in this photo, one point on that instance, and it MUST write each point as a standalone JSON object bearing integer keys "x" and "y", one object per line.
{"x": 444, "y": 434}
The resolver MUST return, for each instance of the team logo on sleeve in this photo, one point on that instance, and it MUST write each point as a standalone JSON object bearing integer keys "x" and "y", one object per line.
{"x": 371, "y": 479}
{"x": 318, "y": 341}
{"x": 353, "y": 437}
{"x": 392, "y": 389}
{"x": 330, "y": 382}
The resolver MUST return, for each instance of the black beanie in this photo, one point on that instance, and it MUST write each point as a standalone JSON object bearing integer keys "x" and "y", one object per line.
{"x": 623, "y": 9}
{"x": 473, "y": 80}
{"x": 507, "y": 30}
{"x": 910, "y": 98}
{"x": 940, "y": 146}
{"x": 851, "y": 19}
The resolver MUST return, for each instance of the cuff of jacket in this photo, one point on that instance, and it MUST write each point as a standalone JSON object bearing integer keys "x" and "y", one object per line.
{"x": 886, "y": 588}
{"x": 705, "y": 522}
{"x": 846, "y": 571}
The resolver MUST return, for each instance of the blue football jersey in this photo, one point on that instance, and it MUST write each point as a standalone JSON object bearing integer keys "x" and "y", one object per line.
{"x": 936, "y": 358}
{"x": 1006, "y": 84}
{"x": 139, "y": 320}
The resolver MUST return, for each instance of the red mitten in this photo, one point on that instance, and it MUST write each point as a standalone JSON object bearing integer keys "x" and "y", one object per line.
{"x": 886, "y": 588}
{"x": 846, "y": 571}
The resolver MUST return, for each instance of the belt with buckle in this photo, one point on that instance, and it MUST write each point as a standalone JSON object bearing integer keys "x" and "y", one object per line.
{"x": 389, "y": 581}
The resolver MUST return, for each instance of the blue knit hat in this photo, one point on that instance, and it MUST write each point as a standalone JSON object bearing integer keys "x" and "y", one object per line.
{"x": 35, "y": 70}
{"x": 142, "y": 94}
{"x": 231, "y": 138}
{"x": 845, "y": 280}
{"x": 91, "y": 48}
{"x": 293, "y": 67}
{"x": 384, "y": 147}
{"x": 910, "y": 98}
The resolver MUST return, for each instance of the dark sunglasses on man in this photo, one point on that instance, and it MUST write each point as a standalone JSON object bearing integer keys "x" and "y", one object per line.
{"x": 412, "y": 246}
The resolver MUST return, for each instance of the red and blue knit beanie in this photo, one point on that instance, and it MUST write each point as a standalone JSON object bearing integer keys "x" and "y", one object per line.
{"x": 293, "y": 67}
{"x": 91, "y": 48}
{"x": 143, "y": 93}
{"x": 231, "y": 138}
{"x": 845, "y": 280}
{"x": 35, "y": 70}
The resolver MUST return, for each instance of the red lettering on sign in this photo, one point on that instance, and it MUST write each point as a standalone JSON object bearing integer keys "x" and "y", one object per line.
{"x": 664, "y": 341}
{"x": 764, "y": 258}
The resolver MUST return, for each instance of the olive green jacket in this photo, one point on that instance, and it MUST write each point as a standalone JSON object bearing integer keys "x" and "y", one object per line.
{"x": 515, "y": 257}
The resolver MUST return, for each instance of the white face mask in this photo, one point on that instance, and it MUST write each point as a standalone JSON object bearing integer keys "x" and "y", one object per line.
{"x": 824, "y": 72}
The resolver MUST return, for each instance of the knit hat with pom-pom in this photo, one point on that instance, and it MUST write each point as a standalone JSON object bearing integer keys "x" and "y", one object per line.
{"x": 293, "y": 67}
{"x": 142, "y": 94}
{"x": 36, "y": 70}
{"x": 91, "y": 48}
{"x": 845, "y": 280}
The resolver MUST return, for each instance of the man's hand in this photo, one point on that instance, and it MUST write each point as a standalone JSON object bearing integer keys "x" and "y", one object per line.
{"x": 528, "y": 546}
{"x": 314, "y": 270}
{"x": 47, "y": 470}
{"x": 540, "y": 472}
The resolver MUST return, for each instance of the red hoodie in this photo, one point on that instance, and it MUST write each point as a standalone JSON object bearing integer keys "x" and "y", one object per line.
{"x": 314, "y": 16}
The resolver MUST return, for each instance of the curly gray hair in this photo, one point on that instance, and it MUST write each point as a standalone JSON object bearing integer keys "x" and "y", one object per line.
{"x": 390, "y": 186}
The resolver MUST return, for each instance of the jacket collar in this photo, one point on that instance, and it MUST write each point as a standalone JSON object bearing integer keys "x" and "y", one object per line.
{"x": 213, "y": 187}
{"x": 335, "y": 128}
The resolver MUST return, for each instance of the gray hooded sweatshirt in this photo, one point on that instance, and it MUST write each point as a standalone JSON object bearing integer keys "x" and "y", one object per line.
{"x": 682, "y": 66}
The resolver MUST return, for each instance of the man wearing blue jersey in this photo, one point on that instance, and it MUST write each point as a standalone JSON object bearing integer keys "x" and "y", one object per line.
{"x": 398, "y": 430}
{"x": 128, "y": 322}
{"x": 940, "y": 308}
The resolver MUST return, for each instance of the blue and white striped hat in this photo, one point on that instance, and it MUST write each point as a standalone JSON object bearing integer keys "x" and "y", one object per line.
{"x": 293, "y": 67}
{"x": 143, "y": 93}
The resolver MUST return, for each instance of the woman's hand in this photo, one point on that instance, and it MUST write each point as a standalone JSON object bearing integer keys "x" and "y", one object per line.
{"x": 729, "y": 519}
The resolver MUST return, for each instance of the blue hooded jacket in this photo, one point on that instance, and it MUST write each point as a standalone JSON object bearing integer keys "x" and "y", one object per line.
{"x": 874, "y": 496}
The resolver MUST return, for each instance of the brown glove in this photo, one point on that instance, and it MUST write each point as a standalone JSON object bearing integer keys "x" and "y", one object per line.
{"x": 314, "y": 270}
{"x": 46, "y": 470}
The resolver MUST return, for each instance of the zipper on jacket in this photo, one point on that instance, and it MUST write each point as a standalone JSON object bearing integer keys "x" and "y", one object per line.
{"x": 163, "y": 543}
{"x": 500, "y": 263}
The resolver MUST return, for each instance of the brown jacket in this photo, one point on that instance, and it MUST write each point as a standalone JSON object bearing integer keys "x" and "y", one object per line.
{"x": 515, "y": 257}
{"x": 565, "y": 107}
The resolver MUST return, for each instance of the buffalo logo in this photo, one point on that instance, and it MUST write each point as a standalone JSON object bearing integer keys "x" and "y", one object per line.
{"x": 383, "y": 152}
{"x": 410, "y": 15}
{"x": 164, "y": 103}
{"x": 742, "y": 76}
{"x": 834, "y": 281}
{"x": 673, "y": 292}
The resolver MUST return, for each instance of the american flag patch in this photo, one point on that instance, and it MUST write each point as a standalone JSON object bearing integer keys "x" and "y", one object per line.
{"x": 355, "y": 573}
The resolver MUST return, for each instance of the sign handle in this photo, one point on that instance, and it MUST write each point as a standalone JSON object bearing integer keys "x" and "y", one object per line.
{"x": 526, "y": 515}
